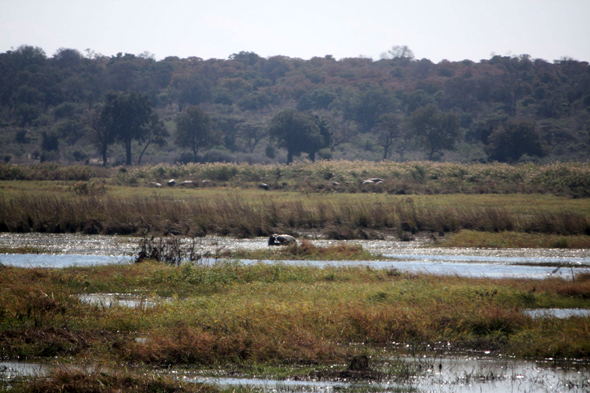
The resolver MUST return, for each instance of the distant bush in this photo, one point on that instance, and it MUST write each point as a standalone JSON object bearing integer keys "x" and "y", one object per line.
{"x": 46, "y": 171}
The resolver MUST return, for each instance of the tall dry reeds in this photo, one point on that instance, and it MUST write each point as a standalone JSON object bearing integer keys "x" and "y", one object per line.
{"x": 233, "y": 214}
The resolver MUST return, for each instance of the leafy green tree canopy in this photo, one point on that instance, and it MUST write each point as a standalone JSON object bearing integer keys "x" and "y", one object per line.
{"x": 366, "y": 106}
{"x": 194, "y": 130}
{"x": 434, "y": 130}
{"x": 509, "y": 142}
{"x": 125, "y": 117}
{"x": 298, "y": 132}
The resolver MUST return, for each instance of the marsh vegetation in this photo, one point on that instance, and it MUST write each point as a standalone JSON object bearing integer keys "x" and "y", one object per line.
{"x": 303, "y": 200}
{"x": 277, "y": 320}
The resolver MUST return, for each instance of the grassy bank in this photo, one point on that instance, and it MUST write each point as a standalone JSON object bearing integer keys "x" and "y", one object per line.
{"x": 256, "y": 213}
{"x": 307, "y": 251}
{"x": 565, "y": 179}
{"x": 510, "y": 239}
{"x": 231, "y": 314}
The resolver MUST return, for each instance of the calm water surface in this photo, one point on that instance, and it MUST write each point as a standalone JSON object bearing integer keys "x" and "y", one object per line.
{"x": 83, "y": 250}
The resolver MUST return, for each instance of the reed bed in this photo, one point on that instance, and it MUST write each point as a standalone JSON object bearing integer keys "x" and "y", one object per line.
{"x": 230, "y": 313}
{"x": 257, "y": 214}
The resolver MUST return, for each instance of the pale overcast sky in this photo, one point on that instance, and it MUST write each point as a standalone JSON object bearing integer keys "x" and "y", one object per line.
{"x": 433, "y": 29}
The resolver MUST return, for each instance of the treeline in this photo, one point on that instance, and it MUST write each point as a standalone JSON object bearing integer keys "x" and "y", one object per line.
{"x": 128, "y": 109}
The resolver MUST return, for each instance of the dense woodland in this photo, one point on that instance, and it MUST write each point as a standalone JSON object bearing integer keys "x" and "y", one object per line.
{"x": 130, "y": 109}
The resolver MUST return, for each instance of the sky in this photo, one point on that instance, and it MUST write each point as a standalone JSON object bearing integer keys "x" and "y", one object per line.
{"x": 433, "y": 29}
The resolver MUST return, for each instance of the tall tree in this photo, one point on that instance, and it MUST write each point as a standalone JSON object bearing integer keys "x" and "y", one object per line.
{"x": 194, "y": 130}
{"x": 509, "y": 142}
{"x": 389, "y": 132}
{"x": 435, "y": 131}
{"x": 297, "y": 132}
{"x": 102, "y": 136}
{"x": 366, "y": 106}
{"x": 155, "y": 133}
{"x": 398, "y": 52}
{"x": 252, "y": 132}
{"x": 125, "y": 116}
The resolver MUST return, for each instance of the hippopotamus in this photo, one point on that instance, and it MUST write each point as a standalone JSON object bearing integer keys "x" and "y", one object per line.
{"x": 280, "y": 240}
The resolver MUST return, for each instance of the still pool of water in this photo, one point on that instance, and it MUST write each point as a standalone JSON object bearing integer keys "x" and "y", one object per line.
{"x": 561, "y": 313}
{"x": 498, "y": 269}
{"x": 461, "y": 374}
{"x": 119, "y": 299}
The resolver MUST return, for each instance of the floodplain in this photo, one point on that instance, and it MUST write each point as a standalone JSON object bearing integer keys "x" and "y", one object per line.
{"x": 357, "y": 305}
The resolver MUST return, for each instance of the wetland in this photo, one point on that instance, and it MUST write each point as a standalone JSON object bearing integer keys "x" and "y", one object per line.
{"x": 487, "y": 290}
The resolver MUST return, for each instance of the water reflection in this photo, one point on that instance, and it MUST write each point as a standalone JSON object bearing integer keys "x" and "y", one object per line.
{"x": 11, "y": 370}
{"x": 461, "y": 374}
{"x": 60, "y": 260}
{"x": 448, "y": 374}
{"x": 561, "y": 313}
{"x": 431, "y": 265}
{"x": 119, "y": 299}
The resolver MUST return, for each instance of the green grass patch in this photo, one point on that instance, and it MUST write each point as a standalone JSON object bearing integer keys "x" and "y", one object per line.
{"x": 511, "y": 239}
{"x": 274, "y": 314}
{"x": 23, "y": 250}
{"x": 66, "y": 379}
{"x": 305, "y": 250}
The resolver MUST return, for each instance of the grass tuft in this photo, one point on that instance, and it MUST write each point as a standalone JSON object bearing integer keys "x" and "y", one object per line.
{"x": 308, "y": 251}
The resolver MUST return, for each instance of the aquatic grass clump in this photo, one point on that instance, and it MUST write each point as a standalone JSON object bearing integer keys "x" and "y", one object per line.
{"x": 305, "y": 250}
{"x": 70, "y": 379}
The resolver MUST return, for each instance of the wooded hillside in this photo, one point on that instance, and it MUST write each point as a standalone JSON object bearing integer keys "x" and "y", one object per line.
{"x": 74, "y": 107}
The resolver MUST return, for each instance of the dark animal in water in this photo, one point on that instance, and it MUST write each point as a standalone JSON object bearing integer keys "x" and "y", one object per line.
{"x": 279, "y": 240}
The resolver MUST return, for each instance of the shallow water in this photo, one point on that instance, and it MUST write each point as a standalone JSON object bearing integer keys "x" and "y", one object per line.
{"x": 419, "y": 265}
{"x": 459, "y": 374}
{"x": 561, "y": 313}
{"x": 82, "y": 250}
{"x": 10, "y": 370}
{"x": 60, "y": 260}
{"x": 119, "y": 245}
{"x": 448, "y": 374}
{"x": 120, "y": 299}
